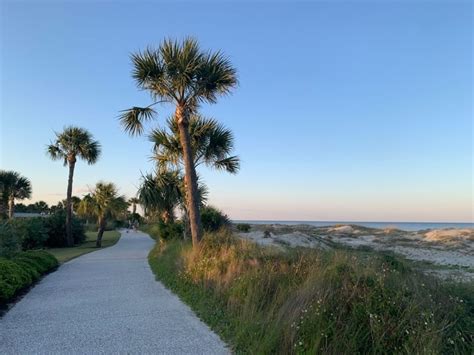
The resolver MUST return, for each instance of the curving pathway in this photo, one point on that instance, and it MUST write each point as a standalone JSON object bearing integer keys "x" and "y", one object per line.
{"x": 105, "y": 302}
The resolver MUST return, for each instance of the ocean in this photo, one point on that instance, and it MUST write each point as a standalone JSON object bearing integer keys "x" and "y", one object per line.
{"x": 406, "y": 226}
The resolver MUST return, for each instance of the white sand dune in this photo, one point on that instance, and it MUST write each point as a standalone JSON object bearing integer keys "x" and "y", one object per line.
{"x": 449, "y": 248}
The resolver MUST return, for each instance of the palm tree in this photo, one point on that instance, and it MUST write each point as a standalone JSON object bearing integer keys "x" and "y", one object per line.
{"x": 211, "y": 144}
{"x": 13, "y": 187}
{"x": 73, "y": 143}
{"x": 103, "y": 203}
{"x": 161, "y": 194}
{"x": 182, "y": 74}
{"x": 134, "y": 201}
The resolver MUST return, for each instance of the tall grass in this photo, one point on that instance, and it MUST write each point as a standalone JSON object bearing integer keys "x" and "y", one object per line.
{"x": 262, "y": 300}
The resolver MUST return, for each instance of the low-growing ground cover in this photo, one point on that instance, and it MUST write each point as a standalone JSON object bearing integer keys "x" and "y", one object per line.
{"x": 264, "y": 300}
{"x": 66, "y": 254}
{"x": 21, "y": 270}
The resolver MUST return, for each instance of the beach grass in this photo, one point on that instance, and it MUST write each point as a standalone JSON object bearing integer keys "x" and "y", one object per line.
{"x": 264, "y": 300}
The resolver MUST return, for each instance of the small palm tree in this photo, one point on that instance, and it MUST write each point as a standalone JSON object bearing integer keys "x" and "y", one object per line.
{"x": 211, "y": 144}
{"x": 161, "y": 194}
{"x": 73, "y": 143}
{"x": 13, "y": 187}
{"x": 103, "y": 202}
{"x": 134, "y": 201}
{"x": 182, "y": 74}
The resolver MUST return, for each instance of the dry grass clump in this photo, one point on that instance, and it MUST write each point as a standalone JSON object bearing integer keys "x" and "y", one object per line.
{"x": 308, "y": 301}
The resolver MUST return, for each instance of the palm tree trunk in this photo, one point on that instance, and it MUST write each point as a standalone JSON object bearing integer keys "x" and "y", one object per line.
{"x": 134, "y": 208}
{"x": 192, "y": 194}
{"x": 69, "y": 237}
{"x": 11, "y": 207}
{"x": 3, "y": 205}
{"x": 98, "y": 243}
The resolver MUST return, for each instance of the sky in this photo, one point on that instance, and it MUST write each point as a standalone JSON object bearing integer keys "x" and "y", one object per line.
{"x": 345, "y": 110}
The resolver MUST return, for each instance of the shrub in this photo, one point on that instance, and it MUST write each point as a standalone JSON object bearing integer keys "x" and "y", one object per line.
{"x": 213, "y": 219}
{"x": 31, "y": 231}
{"x": 307, "y": 301}
{"x": 9, "y": 240}
{"x": 43, "y": 260}
{"x": 21, "y": 270}
{"x": 243, "y": 227}
{"x": 12, "y": 278}
{"x": 56, "y": 226}
{"x": 170, "y": 230}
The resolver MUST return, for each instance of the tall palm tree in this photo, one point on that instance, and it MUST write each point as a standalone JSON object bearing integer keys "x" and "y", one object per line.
{"x": 13, "y": 187}
{"x": 211, "y": 144}
{"x": 182, "y": 74}
{"x": 73, "y": 143}
{"x": 103, "y": 202}
{"x": 134, "y": 201}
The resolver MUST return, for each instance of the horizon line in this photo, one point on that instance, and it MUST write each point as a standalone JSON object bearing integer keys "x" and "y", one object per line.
{"x": 343, "y": 221}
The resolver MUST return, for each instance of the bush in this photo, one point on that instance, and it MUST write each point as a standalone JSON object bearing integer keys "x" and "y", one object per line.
{"x": 9, "y": 240}
{"x": 213, "y": 219}
{"x": 263, "y": 300}
{"x": 56, "y": 226}
{"x": 243, "y": 227}
{"x": 170, "y": 230}
{"x": 12, "y": 279}
{"x": 31, "y": 231}
{"x": 21, "y": 270}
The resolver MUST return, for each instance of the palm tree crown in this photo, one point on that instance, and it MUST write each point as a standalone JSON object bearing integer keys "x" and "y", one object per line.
{"x": 13, "y": 187}
{"x": 178, "y": 73}
{"x": 74, "y": 142}
{"x": 211, "y": 144}
{"x": 160, "y": 194}
{"x": 103, "y": 202}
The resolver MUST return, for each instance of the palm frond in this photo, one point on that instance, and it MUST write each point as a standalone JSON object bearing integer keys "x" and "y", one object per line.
{"x": 90, "y": 151}
{"x": 229, "y": 164}
{"x": 54, "y": 152}
{"x": 132, "y": 119}
{"x": 216, "y": 76}
{"x": 147, "y": 68}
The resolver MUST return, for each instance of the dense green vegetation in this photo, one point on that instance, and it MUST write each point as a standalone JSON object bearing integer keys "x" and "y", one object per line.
{"x": 262, "y": 300}
{"x": 89, "y": 245}
{"x": 21, "y": 270}
{"x": 213, "y": 219}
{"x": 243, "y": 227}
{"x": 39, "y": 232}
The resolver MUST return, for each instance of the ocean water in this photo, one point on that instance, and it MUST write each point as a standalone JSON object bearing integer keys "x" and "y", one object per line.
{"x": 406, "y": 226}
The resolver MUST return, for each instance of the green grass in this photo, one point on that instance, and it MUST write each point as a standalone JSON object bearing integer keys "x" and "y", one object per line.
{"x": 66, "y": 254}
{"x": 261, "y": 300}
{"x": 151, "y": 229}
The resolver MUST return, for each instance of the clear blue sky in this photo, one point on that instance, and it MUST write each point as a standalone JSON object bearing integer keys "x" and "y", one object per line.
{"x": 345, "y": 110}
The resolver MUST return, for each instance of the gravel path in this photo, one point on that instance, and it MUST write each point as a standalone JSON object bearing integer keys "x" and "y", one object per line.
{"x": 105, "y": 302}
